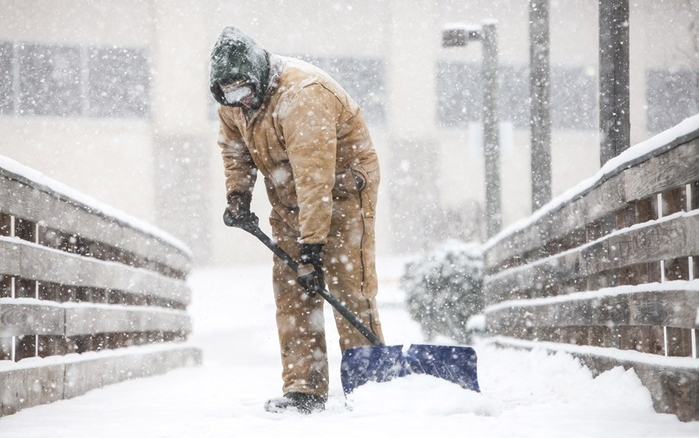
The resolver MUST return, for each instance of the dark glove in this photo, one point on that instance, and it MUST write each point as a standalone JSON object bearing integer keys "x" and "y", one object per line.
{"x": 310, "y": 271}
{"x": 238, "y": 214}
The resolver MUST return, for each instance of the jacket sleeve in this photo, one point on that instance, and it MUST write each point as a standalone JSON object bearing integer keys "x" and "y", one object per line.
{"x": 309, "y": 127}
{"x": 239, "y": 168}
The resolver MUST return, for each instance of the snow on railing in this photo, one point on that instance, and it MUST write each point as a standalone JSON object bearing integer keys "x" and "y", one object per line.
{"x": 612, "y": 264}
{"x": 39, "y": 181}
{"x": 79, "y": 281}
{"x": 638, "y": 153}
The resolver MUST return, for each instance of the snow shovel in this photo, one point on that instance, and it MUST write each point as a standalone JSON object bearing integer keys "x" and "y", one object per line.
{"x": 382, "y": 363}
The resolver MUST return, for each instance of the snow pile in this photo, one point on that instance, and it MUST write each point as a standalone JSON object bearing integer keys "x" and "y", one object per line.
{"x": 558, "y": 381}
{"x": 419, "y": 395}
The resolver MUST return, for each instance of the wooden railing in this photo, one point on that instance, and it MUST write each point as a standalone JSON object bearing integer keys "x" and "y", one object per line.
{"x": 78, "y": 277}
{"x": 609, "y": 271}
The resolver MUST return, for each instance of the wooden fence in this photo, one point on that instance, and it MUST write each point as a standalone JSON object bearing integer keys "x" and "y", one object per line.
{"x": 609, "y": 271}
{"x": 87, "y": 297}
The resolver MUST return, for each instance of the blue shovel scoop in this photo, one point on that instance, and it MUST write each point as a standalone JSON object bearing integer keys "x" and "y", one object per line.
{"x": 381, "y": 363}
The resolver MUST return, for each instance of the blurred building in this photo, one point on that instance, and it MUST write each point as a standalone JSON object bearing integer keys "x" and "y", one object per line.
{"x": 112, "y": 99}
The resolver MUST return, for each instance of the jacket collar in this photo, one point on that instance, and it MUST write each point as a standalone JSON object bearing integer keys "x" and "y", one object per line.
{"x": 275, "y": 70}
{"x": 276, "y": 65}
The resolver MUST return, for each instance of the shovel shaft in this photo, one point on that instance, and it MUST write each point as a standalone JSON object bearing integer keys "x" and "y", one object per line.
{"x": 334, "y": 302}
{"x": 276, "y": 249}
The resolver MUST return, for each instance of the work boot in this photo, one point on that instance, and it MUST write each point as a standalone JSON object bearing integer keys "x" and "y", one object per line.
{"x": 303, "y": 403}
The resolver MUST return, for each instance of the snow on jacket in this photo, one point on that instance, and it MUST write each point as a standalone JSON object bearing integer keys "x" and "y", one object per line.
{"x": 305, "y": 139}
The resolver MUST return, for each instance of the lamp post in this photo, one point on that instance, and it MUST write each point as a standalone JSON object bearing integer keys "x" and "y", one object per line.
{"x": 458, "y": 35}
{"x": 614, "y": 110}
{"x": 540, "y": 94}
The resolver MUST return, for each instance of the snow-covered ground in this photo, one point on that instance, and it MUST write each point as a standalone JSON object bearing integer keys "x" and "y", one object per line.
{"x": 524, "y": 394}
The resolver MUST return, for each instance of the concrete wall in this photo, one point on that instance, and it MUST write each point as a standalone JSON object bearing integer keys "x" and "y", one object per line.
{"x": 166, "y": 168}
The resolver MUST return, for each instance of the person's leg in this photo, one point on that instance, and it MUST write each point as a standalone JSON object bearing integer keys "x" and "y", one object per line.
{"x": 350, "y": 261}
{"x": 300, "y": 324}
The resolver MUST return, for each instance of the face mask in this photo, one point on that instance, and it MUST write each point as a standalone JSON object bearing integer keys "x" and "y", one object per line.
{"x": 239, "y": 94}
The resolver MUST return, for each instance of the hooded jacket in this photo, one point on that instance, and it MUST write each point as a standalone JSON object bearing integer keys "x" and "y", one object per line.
{"x": 305, "y": 138}
{"x": 237, "y": 56}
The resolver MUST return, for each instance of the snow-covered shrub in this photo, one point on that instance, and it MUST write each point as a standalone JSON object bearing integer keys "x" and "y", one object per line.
{"x": 444, "y": 289}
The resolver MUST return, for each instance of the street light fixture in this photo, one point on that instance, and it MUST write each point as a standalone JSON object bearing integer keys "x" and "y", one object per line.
{"x": 458, "y": 35}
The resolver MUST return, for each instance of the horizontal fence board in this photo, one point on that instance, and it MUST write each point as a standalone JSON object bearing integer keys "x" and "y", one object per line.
{"x": 669, "y": 308}
{"x": 664, "y": 240}
{"x": 85, "y": 375}
{"x": 74, "y": 375}
{"x": 49, "y": 265}
{"x": 576, "y": 214}
{"x": 9, "y": 257}
{"x": 38, "y": 318}
{"x": 534, "y": 277}
{"x": 38, "y": 206}
{"x": 674, "y": 391}
{"x": 30, "y": 319}
{"x": 43, "y": 264}
{"x": 675, "y": 168}
{"x": 28, "y": 387}
{"x": 83, "y": 320}
{"x": 596, "y": 312}
{"x": 667, "y": 239}
{"x": 510, "y": 246}
{"x": 601, "y": 200}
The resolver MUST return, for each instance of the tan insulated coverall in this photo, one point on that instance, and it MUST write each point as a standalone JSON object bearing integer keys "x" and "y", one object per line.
{"x": 309, "y": 141}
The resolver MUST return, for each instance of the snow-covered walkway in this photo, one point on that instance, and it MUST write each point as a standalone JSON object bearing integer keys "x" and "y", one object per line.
{"x": 524, "y": 394}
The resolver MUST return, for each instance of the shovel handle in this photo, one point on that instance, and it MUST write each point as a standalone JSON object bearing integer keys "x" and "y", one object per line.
{"x": 276, "y": 249}
{"x": 334, "y": 302}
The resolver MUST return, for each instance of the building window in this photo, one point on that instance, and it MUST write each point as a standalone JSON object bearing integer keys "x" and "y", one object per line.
{"x": 118, "y": 83}
{"x": 7, "y": 105}
{"x": 574, "y": 98}
{"x": 55, "y": 80}
{"x": 672, "y": 96}
{"x": 513, "y": 104}
{"x": 460, "y": 96}
{"x": 49, "y": 80}
{"x": 362, "y": 78}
